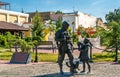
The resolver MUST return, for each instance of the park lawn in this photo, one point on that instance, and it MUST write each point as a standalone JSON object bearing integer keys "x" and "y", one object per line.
{"x": 42, "y": 57}
{"x": 4, "y": 55}
{"x": 47, "y": 57}
{"x": 105, "y": 57}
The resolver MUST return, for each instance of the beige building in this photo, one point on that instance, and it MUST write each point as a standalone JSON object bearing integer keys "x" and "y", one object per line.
{"x": 13, "y": 17}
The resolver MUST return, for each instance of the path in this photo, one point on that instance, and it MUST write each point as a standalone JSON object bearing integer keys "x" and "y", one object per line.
{"x": 52, "y": 70}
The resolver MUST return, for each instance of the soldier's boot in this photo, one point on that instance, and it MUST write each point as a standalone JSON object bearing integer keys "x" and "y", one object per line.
{"x": 72, "y": 70}
{"x": 61, "y": 71}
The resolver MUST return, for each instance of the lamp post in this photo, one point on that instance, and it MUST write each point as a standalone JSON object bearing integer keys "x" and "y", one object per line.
{"x": 116, "y": 52}
{"x": 36, "y": 54}
{"x": 91, "y": 60}
{"x": 73, "y": 24}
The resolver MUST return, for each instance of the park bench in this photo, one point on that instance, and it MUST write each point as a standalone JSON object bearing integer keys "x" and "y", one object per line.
{"x": 42, "y": 43}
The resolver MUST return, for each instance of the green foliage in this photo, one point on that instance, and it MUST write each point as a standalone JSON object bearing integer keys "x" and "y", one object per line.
{"x": 59, "y": 12}
{"x": 113, "y": 25}
{"x": 3, "y": 41}
{"x": 113, "y": 16}
{"x": 9, "y": 36}
{"x": 110, "y": 36}
{"x": 113, "y": 34}
{"x": 17, "y": 41}
{"x": 25, "y": 46}
{"x": 38, "y": 28}
{"x": 69, "y": 30}
{"x": 102, "y": 33}
{"x": 75, "y": 38}
{"x": 52, "y": 27}
{"x": 37, "y": 38}
{"x": 59, "y": 24}
{"x": 28, "y": 39}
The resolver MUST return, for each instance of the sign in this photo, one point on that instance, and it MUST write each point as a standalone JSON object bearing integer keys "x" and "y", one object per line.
{"x": 20, "y": 58}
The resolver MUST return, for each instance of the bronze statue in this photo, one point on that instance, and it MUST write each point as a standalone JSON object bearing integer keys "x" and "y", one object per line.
{"x": 83, "y": 48}
{"x": 65, "y": 46}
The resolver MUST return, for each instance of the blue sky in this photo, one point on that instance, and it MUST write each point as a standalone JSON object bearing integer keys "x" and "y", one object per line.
{"x": 98, "y": 8}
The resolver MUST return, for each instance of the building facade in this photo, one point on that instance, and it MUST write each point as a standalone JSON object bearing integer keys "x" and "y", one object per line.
{"x": 13, "y": 17}
{"x": 81, "y": 19}
{"x": 45, "y": 16}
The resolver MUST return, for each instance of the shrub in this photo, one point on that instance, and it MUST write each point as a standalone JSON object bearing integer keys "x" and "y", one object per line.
{"x": 3, "y": 41}
{"x": 28, "y": 39}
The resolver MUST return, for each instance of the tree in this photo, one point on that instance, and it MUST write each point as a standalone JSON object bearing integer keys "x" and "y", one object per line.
{"x": 102, "y": 33}
{"x": 52, "y": 27}
{"x": 38, "y": 28}
{"x": 59, "y": 23}
{"x": 10, "y": 38}
{"x": 59, "y": 12}
{"x": 113, "y": 16}
{"x": 113, "y": 25}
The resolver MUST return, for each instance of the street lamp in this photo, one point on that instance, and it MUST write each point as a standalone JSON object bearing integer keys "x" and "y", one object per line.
{"x": 116, "y": 52}
{"x": 91, "y": 53}
{"x": 36, "y": 54}
{"x": 73, "y": 24}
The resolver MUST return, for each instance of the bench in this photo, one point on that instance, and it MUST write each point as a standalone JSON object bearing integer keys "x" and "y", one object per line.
{"x": 47, "y": 43}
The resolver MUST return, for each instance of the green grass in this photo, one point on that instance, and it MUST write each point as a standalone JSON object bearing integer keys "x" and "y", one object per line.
{"x": 46, "y": 57}
{"x": 1, "y": 48}
{"x": 104, "y": 57}
{"x": 42, "y": 57}
{"x": 5, "y": 55}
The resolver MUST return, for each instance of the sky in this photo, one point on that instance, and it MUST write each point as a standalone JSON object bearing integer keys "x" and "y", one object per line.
{"x": 97, "y": 8}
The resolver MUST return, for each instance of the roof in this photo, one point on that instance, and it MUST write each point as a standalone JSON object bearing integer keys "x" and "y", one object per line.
{"x": 27, "y": 23}
{"x": 11, "y": 26}
{"x": 13, "y": 13}
{"x": 55, "y": 16}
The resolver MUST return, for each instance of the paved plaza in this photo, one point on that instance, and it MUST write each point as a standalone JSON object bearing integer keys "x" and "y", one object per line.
{"x": 51, "y": 70}
{"x": 48, "y": 69}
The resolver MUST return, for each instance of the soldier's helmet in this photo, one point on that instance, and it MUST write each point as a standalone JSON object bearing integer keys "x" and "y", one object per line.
{"x": 86, "y": 40}
{"x": 65, "y": 24}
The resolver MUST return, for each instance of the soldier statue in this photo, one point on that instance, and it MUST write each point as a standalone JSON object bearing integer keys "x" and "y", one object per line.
{"x": 65, "y": 46}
